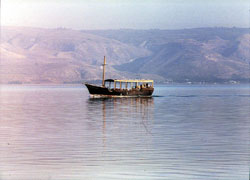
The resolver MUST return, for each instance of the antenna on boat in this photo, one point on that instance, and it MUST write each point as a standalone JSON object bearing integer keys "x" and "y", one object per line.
{"x": 103, "y": 73}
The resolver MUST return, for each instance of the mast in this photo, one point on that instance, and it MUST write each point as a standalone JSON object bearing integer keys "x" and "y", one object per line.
{"x": 103, "y": 73}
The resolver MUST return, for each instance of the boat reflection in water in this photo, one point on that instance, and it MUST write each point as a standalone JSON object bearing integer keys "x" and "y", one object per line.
{"x": 123, "y": 117}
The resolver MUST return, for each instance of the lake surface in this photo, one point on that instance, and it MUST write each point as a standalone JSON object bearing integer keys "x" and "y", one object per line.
{"x": 186, "y": 132}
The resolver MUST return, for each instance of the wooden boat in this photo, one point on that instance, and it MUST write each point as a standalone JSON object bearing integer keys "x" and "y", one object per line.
{"x": 120, "y": 88}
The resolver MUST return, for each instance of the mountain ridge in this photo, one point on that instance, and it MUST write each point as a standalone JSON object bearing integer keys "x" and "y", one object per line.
{"x": 37, "y": 55}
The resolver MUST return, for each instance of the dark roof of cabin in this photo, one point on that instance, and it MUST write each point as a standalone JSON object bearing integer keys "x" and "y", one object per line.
{"x": 110, "y": 80}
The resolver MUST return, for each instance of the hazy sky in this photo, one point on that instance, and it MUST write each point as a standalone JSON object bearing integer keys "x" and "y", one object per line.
{"x": 115, "y": 14}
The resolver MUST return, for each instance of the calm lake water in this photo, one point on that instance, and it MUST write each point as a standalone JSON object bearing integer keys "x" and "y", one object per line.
{"x": 186, "y": 132}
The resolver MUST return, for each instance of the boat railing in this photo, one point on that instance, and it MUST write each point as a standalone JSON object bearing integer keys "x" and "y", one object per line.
{"x": 128, "y": 84}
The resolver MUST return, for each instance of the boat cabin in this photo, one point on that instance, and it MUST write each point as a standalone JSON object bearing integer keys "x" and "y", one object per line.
{"x": 128, "y": 84}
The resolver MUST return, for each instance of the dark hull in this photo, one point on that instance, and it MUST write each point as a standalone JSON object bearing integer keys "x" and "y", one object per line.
{"x": 103, "y": 91}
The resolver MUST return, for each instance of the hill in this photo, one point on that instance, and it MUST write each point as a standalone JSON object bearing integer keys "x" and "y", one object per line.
{"x": 35, "y": 55}
{"x": 197, "y": 55}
